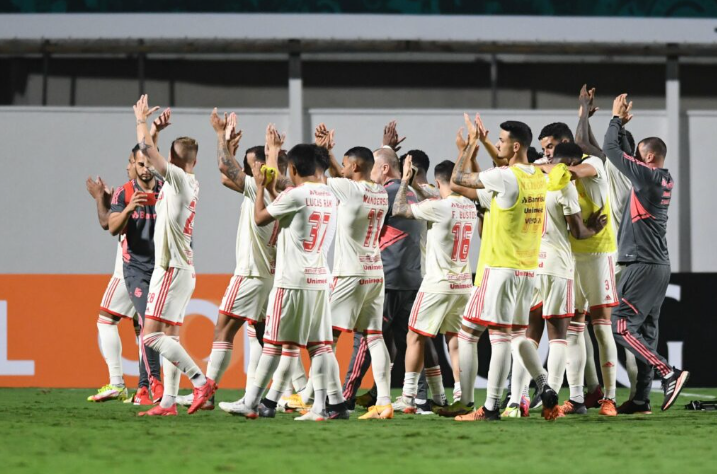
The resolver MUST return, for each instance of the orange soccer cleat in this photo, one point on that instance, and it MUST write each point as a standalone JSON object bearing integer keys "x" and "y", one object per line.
{"x": 159, "y": 411}
{"x": 608, "y": 407}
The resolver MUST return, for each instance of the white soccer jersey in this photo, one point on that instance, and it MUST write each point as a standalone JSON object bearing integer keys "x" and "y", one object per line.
{"x": 620, "y": 188}
{"x": 304, "y": 214}
{"x": 119, "y": 264}
{"x": 452, "y": 222}
{"x": 596, "y": 187}
{"x": 176, "y": 205}
{"x": 361, "y": 211}
{"x": 256, "y": 246}
{"x": 555, "y": 256}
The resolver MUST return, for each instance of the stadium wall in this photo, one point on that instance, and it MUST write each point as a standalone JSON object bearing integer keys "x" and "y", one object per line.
{"x": 55, "y": 260}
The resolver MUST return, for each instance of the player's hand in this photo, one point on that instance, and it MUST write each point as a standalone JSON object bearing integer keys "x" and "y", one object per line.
{"x": 258, "y": 174}
{"x": 482, "y": 132}
{"x": 95, "y": 188}
{"x": 472, "y": 130}
{"x": 161, "y": 122}
{"x": 407, "y": 169}
{"x": 390, "y": 136}
{"x": 619, "y": 105}
{"x": 274, "y": 140}
{"x": 461, "y": 142}
{"x": 138, "y": 199}
{"x": 587, "y": 101}
{"x": 218, "y": 123}
{"x": 142, "y": 110}
{"x": 324, "y": 137}
{"x": 626, "y": 115}
{"x": 597, "y": 220}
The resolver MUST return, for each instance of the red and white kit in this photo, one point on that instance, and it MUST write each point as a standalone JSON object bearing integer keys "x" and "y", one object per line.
{"x": 116, "y": 300}
{"x": 358, "y": 287}
{"x": 173, "y": 279}
{"x": 447, "y": 284}
{"x": 298, "y": 311}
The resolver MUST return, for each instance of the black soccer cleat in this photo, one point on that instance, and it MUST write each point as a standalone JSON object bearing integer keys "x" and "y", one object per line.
{"x": 632, "y": 408}
{"x": 673, "y": 386}
{"x": 265, "y": 411}
{"x": 504, "y": 403}
{"x": 536, "y": 401}
{"x": 338, "y": 411}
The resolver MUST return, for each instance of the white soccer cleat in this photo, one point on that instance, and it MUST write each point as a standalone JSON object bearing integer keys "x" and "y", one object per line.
{"x": 185, "y": 400}
{"x": 239, "y": 408}
{"x": 312, "y": 416}
{"x": 405, "y": 405}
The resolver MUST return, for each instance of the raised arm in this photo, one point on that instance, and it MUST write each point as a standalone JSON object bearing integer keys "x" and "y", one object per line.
{"x": 583, "y": 133}
{"x": 146, "y": 145}
{"x": 401, "y": 207}
{"x": 390, "y": 136}
{"x": 274, "y": 142}
{"x": 472, "y": 167}
{"x": 98, "y": 190}
{"x": 487, "y": 144}
{"x": 460, "y": 176}
{"x": 324, "y": 138}
{"x": 225, "y": 129}
{"x": 159, "y": 124}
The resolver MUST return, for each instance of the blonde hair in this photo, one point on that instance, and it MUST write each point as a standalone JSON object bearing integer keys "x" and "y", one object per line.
{"x": 185, "y": 148}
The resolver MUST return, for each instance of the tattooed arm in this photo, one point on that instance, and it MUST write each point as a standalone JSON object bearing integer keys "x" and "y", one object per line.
{"x": 146, "y": 145}
{"x": 228, "y": 165}
{"x": 461, "y": 177}
{"x": 401, "y": 207}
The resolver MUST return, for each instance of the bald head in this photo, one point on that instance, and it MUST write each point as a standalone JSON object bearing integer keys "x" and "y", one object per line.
{"x": 385, "y": 165}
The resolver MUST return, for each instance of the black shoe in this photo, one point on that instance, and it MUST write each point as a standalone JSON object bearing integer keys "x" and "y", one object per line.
{"x": 571, "y": 407}
{"x": 504, "y": 403}
{"x": 548, "y": 397}
{"x": 351, "y": 404}
{"x": 366, "y": 400}
{"x": 632, "y": 408}
{"x": 491, "y": 415}
{"x": 673, "y": 386}
{"x": 536, "y": 401}
{"x": 266, "y": 411}
{"x": 428, "y": 408}
{"x": 338, "y": 412}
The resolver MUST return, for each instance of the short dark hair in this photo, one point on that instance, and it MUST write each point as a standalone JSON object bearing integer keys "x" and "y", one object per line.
{"x": 656, "y": 146}
{"x": 568, "y": 150}
{"x": 443, "y": 171}
{"x": 259, "y": 155}
{"x": 362, "y": 155}
{"x": 519, "y": 132}
{"x": 557, "y": 130}
{"x": 419, "y": 158}
{"x": 135, "y": 149}
{"x": 303, "y": 157}
{"x": 322, "y": 157}
{"x": 631, "y": 141}
{"x": 533, "y": 155}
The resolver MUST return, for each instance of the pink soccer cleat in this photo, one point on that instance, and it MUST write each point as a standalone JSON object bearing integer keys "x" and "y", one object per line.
{"x": 159, "y": 411}
{"x": 201, "y": 395}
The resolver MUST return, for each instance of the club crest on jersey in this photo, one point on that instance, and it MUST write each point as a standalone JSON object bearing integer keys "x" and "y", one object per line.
{"x": 138, "y": 292}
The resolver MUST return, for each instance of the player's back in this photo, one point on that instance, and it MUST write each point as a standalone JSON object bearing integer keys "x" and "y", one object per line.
{"x": 362, "y": 208}
{"x": 452, "y": 223}
{"x": 255, "y": 245}
{"x": 304, "y": 214}
{"x": 175, "y": 207}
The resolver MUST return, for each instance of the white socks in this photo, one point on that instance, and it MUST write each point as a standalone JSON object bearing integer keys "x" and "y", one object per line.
{"x": 255, "y": 350}
{"x": 591, "y": 378}
{"x": 528, "y": 350}
{"x": 520, "y": 377}
{"x": 298, "y": 376}
{"x": 468, "y": 357}
{"x": 608, "y": 355}
{"x": 171, "y": 375}
{"x": 269, "y": 360}
{"x": 219, "y": 360}
{"x": 575, "y": 366}
{"x": 281, "y": 380}
{"x": 333, "y": 382}
{"x": 320, "y": 371}
{"x": 498, "y": 370}
{"x": 410, "y": 385}
{"x": 434, "y": 378}
{"x": 174, "y": 353}
{"x": 381, "y": 366}
{"x": 557, "y": 358}
{"x": 111, "y": 348}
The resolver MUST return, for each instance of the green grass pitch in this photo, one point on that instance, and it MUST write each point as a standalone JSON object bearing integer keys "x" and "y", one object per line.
{"x": 57, "y": 431}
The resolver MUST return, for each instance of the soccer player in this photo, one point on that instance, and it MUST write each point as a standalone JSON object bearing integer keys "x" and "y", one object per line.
{"x": 419, "y": 179}
{"x": 357, "y": 293}
{"x": 553, "y": 299}
{"x": 116, "y": 303}
{"x": 446, "y": 287}
{"x": 643, "y": 251}
{"x": 509, "y": 258}
{"x": 298, "y": 312}
{"x": 246, "y": 297}
{"x": 619, "y": 192}
{"x": 173, "y": 279}
{"x": 133, "y": 215}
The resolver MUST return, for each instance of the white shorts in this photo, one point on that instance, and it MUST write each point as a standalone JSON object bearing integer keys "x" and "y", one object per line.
{"x": 502, "y": 300}
{"x": 116, "y": 300}
{"x": 357, "y": 304}
{"x": 555, "y": 295}
{"x": 595, "y": 281}
{"x": 169, "y": 293}
{"x": 298, "y": 317}
{"x": 437, "y": 312}
{"x": 246, "y": 298}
